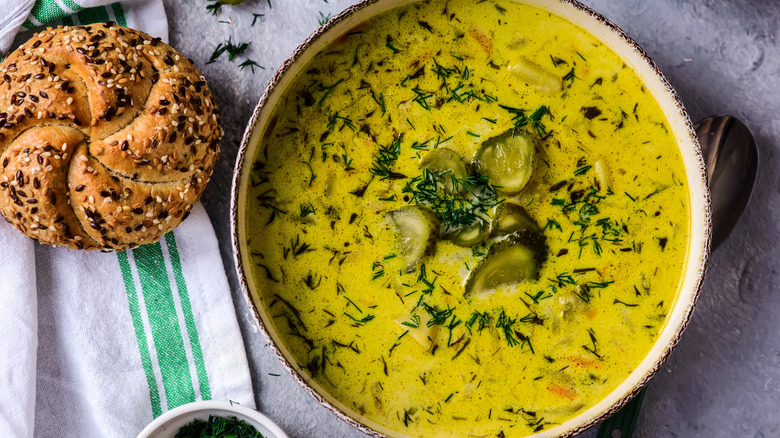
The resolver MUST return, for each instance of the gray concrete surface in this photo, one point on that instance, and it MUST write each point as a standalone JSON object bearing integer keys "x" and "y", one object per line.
{"x": 722, "y": 56}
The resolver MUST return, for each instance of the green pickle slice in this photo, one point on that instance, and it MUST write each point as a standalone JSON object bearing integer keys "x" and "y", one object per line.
{"x": 467, "y": 235}
{"x": 510, "y": 218}
{"x": 512, "y": 261}
{"x": 417, "y": 229}
{"x": 507, "y": 160}
{"x": 448, "y": 164}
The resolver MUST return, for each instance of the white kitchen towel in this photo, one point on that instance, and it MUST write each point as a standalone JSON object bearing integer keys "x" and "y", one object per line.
{"x": 98, "y": 344}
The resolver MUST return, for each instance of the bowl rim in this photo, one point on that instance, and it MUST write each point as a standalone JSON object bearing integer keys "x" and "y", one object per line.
{"x": 192, "y": 409}
{"x": 666, "y": 88}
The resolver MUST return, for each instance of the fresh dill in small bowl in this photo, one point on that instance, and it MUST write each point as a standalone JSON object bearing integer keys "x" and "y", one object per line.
{"x": 219, "y": 427}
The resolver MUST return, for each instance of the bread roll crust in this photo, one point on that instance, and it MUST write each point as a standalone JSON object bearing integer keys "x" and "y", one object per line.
{"x": 110, "y": 135}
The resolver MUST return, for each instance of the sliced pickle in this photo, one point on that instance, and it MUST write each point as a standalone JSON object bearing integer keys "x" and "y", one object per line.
{"x": 448, "y": 164}
{"x": 467, "y": 236}
{"x": 417, "y": 228}
{"x": 507, "y": 160}
{"x": 510, "y": 218}
{"x": 534, "y": 75}
{"x": 512, "y": 261}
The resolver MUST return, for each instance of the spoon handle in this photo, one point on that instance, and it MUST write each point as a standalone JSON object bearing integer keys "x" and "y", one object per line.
{"x": 623, "y": 422}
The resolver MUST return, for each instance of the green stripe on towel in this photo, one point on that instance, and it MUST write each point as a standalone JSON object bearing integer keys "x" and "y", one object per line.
{"x": 73, "y": 6}
{"x": 119, "y": 14}
{"x": 135, "y": 313}
{"x": 47, "y": 10}
{"x": 97, "y": 14}
{"x": 189, "y": 320}
{"x": 166, "y": 332}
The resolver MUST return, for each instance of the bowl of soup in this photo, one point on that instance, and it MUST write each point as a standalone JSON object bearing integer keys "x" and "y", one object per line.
{"x": 458, "y": 218}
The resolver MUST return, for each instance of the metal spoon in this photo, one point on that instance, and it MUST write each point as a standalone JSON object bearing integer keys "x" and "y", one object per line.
{"x": 731, "y": 159}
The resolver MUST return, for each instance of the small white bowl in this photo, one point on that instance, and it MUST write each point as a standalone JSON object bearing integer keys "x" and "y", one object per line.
{"x": 169, "y": 423}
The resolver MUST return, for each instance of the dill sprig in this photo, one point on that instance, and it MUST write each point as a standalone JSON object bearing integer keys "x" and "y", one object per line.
{"x": 214, "y": 8}
{"x": 505, "y": 322}
{"x": 481, "y": 319}
{"x": 438, "y": 317}
{"x": 362, "y": 320}
{"x": 346, "y": 121}
{"x": 232, "y": 50}
{"x": 218, "y": 427}
{"x": 307, "y": 209}
{"x": 414, "y": 322}
{"x": 520, "y": 119}
{"x": 385, "y": 159}
{"x": 251, "y": 64}
{"x": 421, "y": 97}
{"x": 468, "y": 202}
{"x": 323, "y": 18}
{"x": 570, "y": 76}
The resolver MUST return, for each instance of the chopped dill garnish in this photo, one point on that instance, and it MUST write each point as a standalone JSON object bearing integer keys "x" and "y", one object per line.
{"x": 380, "y": 101}
{"x": 601, "y": 285}
{"x": 323, "y": 18}
{"x": 481, "y": 319}
{"x": 328, "y": 90}
{"x": 256, "y": 16}
{"x": 307, "y": 209}
{"x": 565, "y": 278}
{"x": 385, "y": 159}
{"x": 570, "y": 76}
{"x": 346, "y": 121}
{"x": 251, "y": 64}
{"x": 538, "y": 296}
{"x": 438, "y": 317}
{"x": 219, "y": 427}
{"x": 439, "y": 141}
{"x": 454, "y": 322}
{"x": 214, "y": 8}
{"x": 520, "y": 119}
{"x": 552, "y": 223}
{"x": 504, "y": 322}
{"x": 420, "y": 146}
{"x": 442, "y": 72}
{"x": 582, "y": 170}
{"x": 232, "y": 50}
{"x": 421, "y": 97}
{"x": 390, "y": 46}
{"x": 362, "y": 320}
{"x": 312, "y": 177}
{"x": 469, "y": 201}
{"x": 414, "y": 322}
{"x": 347, "y": 161}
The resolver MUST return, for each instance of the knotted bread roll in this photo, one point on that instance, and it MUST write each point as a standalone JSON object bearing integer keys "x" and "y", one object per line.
{"x": 107, "y": 137}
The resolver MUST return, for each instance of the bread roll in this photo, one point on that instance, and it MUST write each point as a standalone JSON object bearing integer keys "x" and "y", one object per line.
{"x": 107, "y": 137}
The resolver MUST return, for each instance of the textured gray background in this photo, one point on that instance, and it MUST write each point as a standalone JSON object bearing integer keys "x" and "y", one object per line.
{"x": 722, "y": 57}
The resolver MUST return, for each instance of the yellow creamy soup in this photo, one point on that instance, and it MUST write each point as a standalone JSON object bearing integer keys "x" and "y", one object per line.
{"x": 467, "y": 219}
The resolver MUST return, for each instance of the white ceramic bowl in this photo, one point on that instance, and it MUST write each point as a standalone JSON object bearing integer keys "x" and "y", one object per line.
{"x": 681, "y": 127}
{"x": 169, "y": 423}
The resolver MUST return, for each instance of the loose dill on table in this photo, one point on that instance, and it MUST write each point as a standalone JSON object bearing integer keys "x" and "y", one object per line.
{"x": 219, "y": 427}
